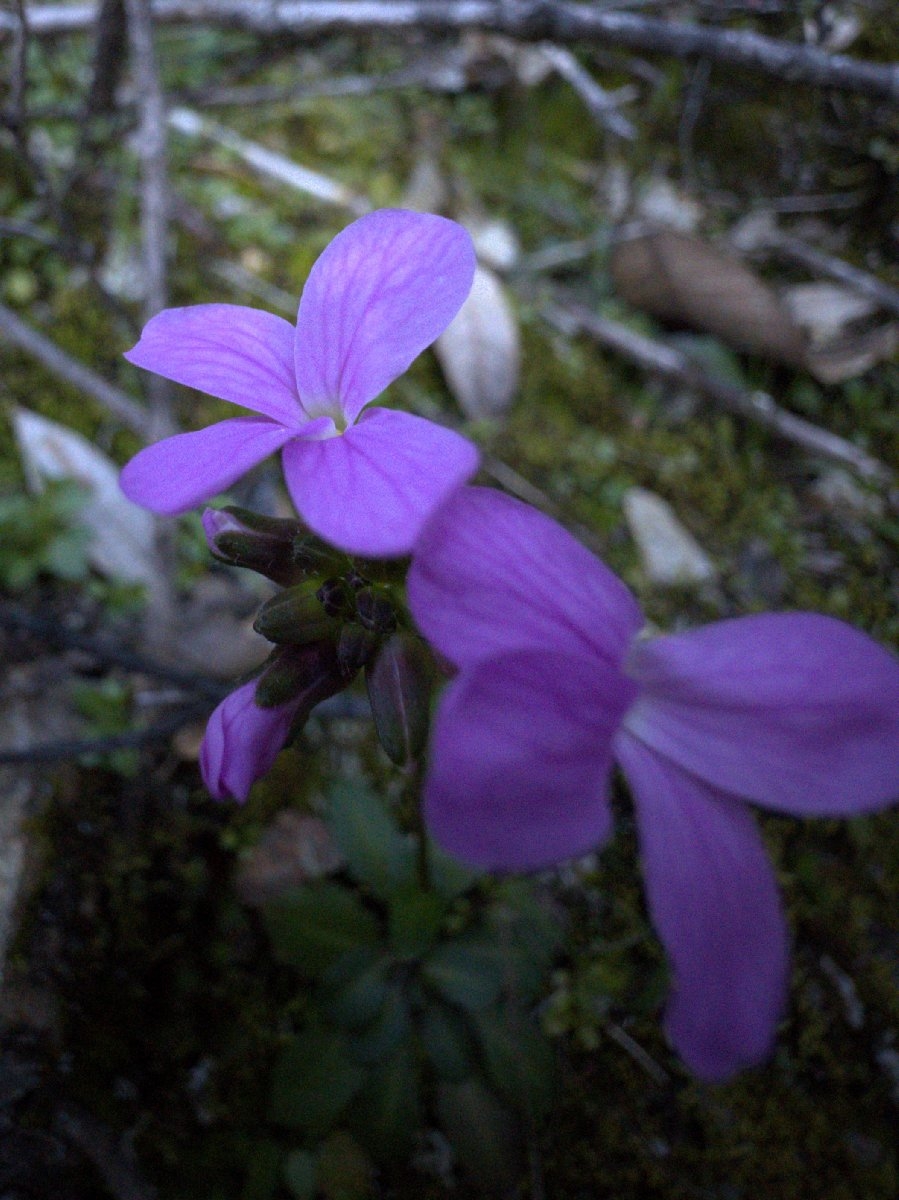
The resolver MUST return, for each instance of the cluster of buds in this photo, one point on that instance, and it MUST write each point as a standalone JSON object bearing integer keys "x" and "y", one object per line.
{"x": 335, "y": 616}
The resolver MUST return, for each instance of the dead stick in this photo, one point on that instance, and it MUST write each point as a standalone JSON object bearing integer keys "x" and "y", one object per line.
{"x": 756, "y": 406}
{"x": 531, "y": 20}
{"x": 801, "y": 253}
{"x": 154, "y": 206}
{"x": 64, "y": 367}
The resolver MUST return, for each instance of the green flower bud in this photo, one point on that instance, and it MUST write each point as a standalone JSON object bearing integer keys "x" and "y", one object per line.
{"x": 375, "y": 611}
{"x": 399, "y": 690}
{"x": 309, "y": 673}
{"x": 355, "y": 647}
{"x": 295, "y": 616}
{"x": 246, "y": 539}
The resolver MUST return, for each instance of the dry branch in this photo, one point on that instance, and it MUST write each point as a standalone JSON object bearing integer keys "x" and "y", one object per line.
{"x": 154, "y": 195}
{"x": 64, "y": 367}
{"x": 531, "y": 20}
{"x": 795, "y": 250}
{"x": 759, "y": 407}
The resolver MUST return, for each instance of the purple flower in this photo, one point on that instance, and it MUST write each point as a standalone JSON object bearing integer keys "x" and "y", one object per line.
{"x": 381, "y": 292}
{"x": 797, "y": 712}
{"x": 242, "y": 742}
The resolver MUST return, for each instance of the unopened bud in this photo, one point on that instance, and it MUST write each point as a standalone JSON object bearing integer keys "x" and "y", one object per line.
{"x": 246, "y": 539}
{"x": 305, "y": 673}
{"x": 311, "y": 555}
{"x": 399, "y": 690}
{"x": 355, "y": 647}
{"x": 375, "y": 611}
{"x": 295, "y": 616}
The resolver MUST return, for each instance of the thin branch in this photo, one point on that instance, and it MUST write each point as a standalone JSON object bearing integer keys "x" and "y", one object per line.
{"x": 531, "y": 20}
{"x": 796, "y": 251}
{"x": 759, "y": 407}
{"x": 268, "y": 163}
{"x": 18, "y": 619}
{"x": 151, "y": 144}
{"x": 57, "y": 751}
{"x": 64, "y": 367}
{"x": 602, "y": 105}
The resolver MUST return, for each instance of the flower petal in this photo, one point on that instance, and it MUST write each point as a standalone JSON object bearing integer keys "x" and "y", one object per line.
{"x": 490, "y": 573}
{"x": 796, "y": 711}
{"x": 370, "y": 490}
{"x": 520, "y": 759}
{"x": 242, "y": 742}
{"x": 381, "y": 292}
{"x": 713, "y": 900}
{"x": 239, "y": 354}
{"x": 179, "y": 472}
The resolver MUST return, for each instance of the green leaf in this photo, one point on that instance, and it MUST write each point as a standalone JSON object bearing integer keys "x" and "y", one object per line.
{"x": 519, "y": 1060}
{"x": 467, "y": 972}
{"x": 414, "y": 921}
{"x": 389, "y": 1028}
{"x": 449, "y": 877}
{"x": 377, "y": 853}
{"x": 313, "y": 1081}
{"x": 484, "y": 1133}
{"x": 344, "y": 1169}
{"x": 312, "y": 925}
{"x": 354, "y": 986}
{"x": 447, "y": 1042}
{"x": 263, "y": 1170}
{"x": 300, "y": 1174}
{"x": 386, "y": 1115}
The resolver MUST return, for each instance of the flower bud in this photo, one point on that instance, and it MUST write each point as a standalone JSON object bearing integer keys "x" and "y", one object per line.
{"x": 306, "y": 674}
{"x": 295, "y": 616}
{"x": 375, "y": 611}
{"x": 246, "y": 539}
{"x": 355, "y": 647}
{"x": 399, "y": 690}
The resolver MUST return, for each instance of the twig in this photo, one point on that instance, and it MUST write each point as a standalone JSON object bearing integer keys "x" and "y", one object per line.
{"x": 151, "y": 148}
{"x": 64, "y": 367}
{"x": 756, "y": 406}
{"x": 267, "y": 162}
{"x": 15, "y": 617}
{"x": 531, "y": 20}
{"x": 801, "y": 253}
{"x": 160, "y": 731}
{"x": 601, "y": 105}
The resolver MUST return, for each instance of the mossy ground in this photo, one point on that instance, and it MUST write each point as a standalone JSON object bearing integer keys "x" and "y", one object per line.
{"x": 166, "y": 1008}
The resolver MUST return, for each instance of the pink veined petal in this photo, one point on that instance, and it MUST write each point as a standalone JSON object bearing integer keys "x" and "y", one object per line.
{"x": 383, "y": 290}
{"x": 242, "y": 742}
{"x": 796, "y": 711}
{"x": 490, "y": 574}
{"x": 179, "y": 472}
{"x": 370, "y": 490}
{"x": 713, "y": 900}
{"x": 520, "y": 760}
{"x": 239, "y": 354}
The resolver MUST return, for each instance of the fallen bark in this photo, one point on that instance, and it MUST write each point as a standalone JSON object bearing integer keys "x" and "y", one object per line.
{"x": 530, "y": 20}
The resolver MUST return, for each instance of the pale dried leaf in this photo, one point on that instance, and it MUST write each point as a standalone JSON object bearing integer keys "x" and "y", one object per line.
{"x": 662, "y": 204}
{"x": 122, "y": 535}
{"x": 495, "y": 242}
{"x": 685, "y": 280}
{"x": 480, "y": 352}
{"x": 826, "y": 310}
{"x": 668, "y": 552}
{"x": 852, "y": 355}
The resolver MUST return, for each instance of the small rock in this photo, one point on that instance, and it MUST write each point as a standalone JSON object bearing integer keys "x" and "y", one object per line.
{"x": 295, "y": 848}
{"x": 669, "y": 553}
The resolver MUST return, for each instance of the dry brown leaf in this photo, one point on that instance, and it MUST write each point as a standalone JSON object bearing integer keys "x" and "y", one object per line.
{"x": 480, "y": 352}
{"x": 685, "y": 280}
{"x": 853, "y": 354}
